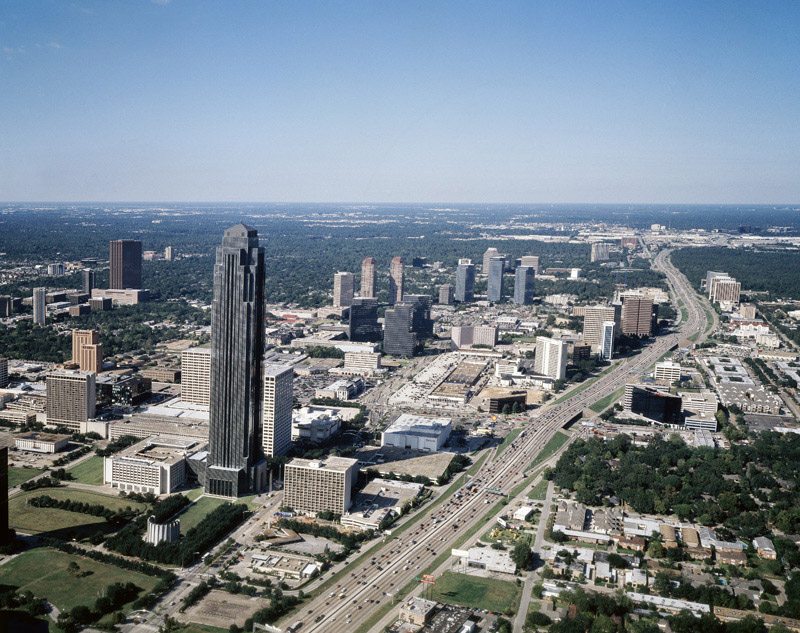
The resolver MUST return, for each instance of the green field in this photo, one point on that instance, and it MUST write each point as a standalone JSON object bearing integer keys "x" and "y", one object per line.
{"x": 499, "y": 596}
{"x": 62, "y": 524}
{"x": 198, "y": 511}
{"x": 539, "y": 491}
{"x": 556, "y": 442}
{"x": 43, "y": 571}
{"x": 89, "y": 471}
{"x": 194, "y": 627}
{"x": 16, "y": 476}
{"x": 604, "y": 403}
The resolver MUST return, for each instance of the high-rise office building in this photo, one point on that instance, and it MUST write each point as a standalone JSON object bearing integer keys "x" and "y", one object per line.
{"x": 196, "y": 376}
{"x": 70, "y": 399}
{"x": 465, "y": 336}
{"x": 725, "y": 289}
{"x": 364, "y": 326}
{"x": 593, "y": 320}
{"x": 126, "y": 265}
{"x": 87, "y": 350}
{"x": 531, "y": 261}
{"x": 494, "y": 289}
{"x": 710, "y": 276}
{"x": 277, "y": 410}
{"x": 421, "y": 324}
{"x": 600, "y": 252}
{"x": 6, "y": 306}
{"x": 87, "y": 280}
{"x": 524, "y": 283}
{"x": 315, "y": 486}
{"x": 465, "y": 281}
{"x": 4, "y": 531}
{"x": 607, "y": 340}
{"x": 236, "y": 463}
{"x": 446, "y": 294}
{"x": 487, "y": 256}
{"x": 397, "y": 280}
{"x": 343, "y": 284}
{"x": 551, "y": 358}
{"x": 39, "y": 306}
{"x": 637, "y": 316}
{"x": 3, "y": 372}
{"x": 399, "y": 338}
{"x": 169, "y": 253}
{"x": 368, "y": 278}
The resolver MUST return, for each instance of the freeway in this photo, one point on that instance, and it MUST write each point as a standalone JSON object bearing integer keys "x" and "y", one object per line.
{"x": 369, "y": 585}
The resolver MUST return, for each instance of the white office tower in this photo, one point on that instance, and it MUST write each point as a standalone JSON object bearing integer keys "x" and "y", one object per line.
{"x": 277, "y": 414}
{"x": 607, "y": 340}
{"x": 593, "y": 320}
{"x": 39, "y": 306}
{"x": 343, "y": 288}
{"x": 551, "y": 358}
{"x": 668, "y": 371}
{"x": 196, "y": 376}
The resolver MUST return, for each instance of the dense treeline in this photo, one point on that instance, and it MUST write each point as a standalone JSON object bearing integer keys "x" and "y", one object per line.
{"x": 168, "y": 507}
{"x": 759, "y": 270}
{"x": 667, "y": 476}
{"x": 347, "y": 539}
{"x": 114, "y": 517}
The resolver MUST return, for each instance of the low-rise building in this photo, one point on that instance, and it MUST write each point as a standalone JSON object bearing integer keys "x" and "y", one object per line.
{"x": 41, "y": 442}
{"x": 417, "y": 610}
{"x": 486, "y": 558}
{"x": 570, "y": 516}
{"x": 669, "y": 604}
{"x": 342, "y": 389}
{"x": 417, "y": 432}
{"x": 765, "y": 548}
{"x": 315, "y": 425}
{"x": 284, "y": 565}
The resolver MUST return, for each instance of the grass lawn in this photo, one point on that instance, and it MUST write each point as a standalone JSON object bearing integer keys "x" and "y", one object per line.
{"x": 604, "y": 403}
{"x": 198, "y": 511}
{"x": 89, "y": 471}
{"x": 62, "y": 524}
{"x": 500, "y": 596}
{"x": 194, "y": 627}
{"x": 539, "y": 491}
{"x": 16, "y": 476}
{"x": 512, "y": 435}
{"x": 43, "y": 571}
{"x": 194, "y": 493}
{"x": 556, "y": 442}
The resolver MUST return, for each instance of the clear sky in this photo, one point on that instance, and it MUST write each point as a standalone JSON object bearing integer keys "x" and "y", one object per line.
{"x": 558, "y": 101}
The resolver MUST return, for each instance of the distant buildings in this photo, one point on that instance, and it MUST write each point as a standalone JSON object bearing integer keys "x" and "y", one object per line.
{"x": 277, "y": 410}
{"x": 368, "y": 278}
{"x": 70, "y": 399}
{"x": 3, "y": 372}
{"x": 4, "y": 531}
{"x": 87, "y": 281}
{"x": 494, "y": 289}
{"x": 196, "y": 376}
{"x": 466, "y": 336}
{"x": 87, "y": 350}
{"x": 637, "y": 316}
{"x": 236, "y": 463}
{"x": 607, "y": 340}
{"x": 56, "y": 270}
{"x": 314, "y": 486}
{"x": 524, "y": 282}
{"x": 531, "y": 261}
{"x": 343, "y": 286}
{"x": 169, "y": 253}
{"x": 126, "y": 265}
{"x": 600, "y": 252}
{"x": 417, "y": 433}
{"x": 6, "y": 306}
{"x": 397, "y": 280}
{"x": 446, "y": 294}
{"x": 39, "y": 306}
{"x": 363, "y": 325}
{"x": 551, "y": 358}
{"x": 487, "y": 257}
{"x": 465, "y": 281}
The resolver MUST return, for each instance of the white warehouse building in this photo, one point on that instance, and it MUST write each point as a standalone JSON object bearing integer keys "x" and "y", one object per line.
{"x": 417, "y": 432}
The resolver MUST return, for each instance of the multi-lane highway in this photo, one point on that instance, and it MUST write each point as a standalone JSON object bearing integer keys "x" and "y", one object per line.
{"x": 345, "y": 607}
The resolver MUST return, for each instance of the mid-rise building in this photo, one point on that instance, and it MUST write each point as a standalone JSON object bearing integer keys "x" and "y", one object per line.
{"x": 368, "y": 278}
{"x": 124, "y": 391}
{"x": 102, "y": 304}
{"x": 363, "y": 324}
{"x": 725, "y": 290}
{"x": 397, "y": 280}
{"x": 446, "y": 294}
{"x": 466, "y": 336}
{"x": 551, "y": 358}
{"x": 196, "y": 376}
{"x": 56, "y": 270}
{"x": 465, "y": 281}
{"x": 3, "y": 372}
{"x": 169, "y": 253}
{"x": 524, "y": 282}
{"x": 366, "y": 362}
{"x": 314, "y": 486}
{"x": 667, "y": 371}
{"x": 399, "y": 338}
{"x": 593, "y": 320}
{"x": 236, "y": 463}
{"x": 87, "y": 350}
{"x": 126, "y": 265}
{"x": 494, "y": 289}
{"x": 581, "y": 352}
{"x": 70, "y": 399}
{"x": 531, "y": 261}
{"x": 417, "y": 433}
{"x": 39, "y": 306}
{"x": 343, "y": 285}
{"x": 87, "y": 281}
{"x": 600, "y": 252}
{"x": 277, "y": 420}
{"x": 637, "y": 316}
{"x": 652, "y": 403}
{"x": 747, "y": 311}
{"x": 607, "y": 340}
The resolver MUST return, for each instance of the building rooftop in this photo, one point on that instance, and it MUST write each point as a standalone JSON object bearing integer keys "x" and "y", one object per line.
{"x": 42, "y": 437}
{"x": 159, "y": 449}
{"x": 418, "y": 425}
{"x": 338, "y": 464}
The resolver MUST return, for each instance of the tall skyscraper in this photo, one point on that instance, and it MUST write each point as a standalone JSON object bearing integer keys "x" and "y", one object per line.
{"x": 487, "y": 256}
{"x": 277, "y": 420}
{"x": 87, "y": 280}
{"x": 368, "y": 278}
{"x": 637, "y": 316}
{"x": 364, "y": 326}
{"x": 70, "y": 399}
{"x": 524, "y": 283}
{"x": 397, "y": 280}
{"x": 399, "y": 338}
{"x": 169, "y": 253}
{"x": 4, "y": 531}
{"x": 465, "y": 281}
{"x": 494, "y": 290}
{"x": 422, "y": 324}
{"x": 342, "y": 290}
{"x": 446, "y": 294}
{"x": 87, "y": 350}
{"x": 126, "y": 265}
{"x": 551, "y": 358}
{"x": 607, "y": 340}
{"x": 593, "y": 320}
{"x": 39, "y": 306}
{"x": 532, "y": 261}
{"x": 236, "y": 463}
{"x": 3, "y": 372}
{"x": 196, "y": 376}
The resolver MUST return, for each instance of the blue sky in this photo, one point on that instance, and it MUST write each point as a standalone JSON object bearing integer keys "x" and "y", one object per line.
{"x": 194, "y": 100}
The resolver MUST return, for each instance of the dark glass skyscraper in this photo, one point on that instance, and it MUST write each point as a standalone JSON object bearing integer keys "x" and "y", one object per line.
{"x": 126, "y": 264}
{"x": 465, "y": 281}
{"x": 399, "y": 338}
{"x": 236, "y": 463}
{"x": 495, "y": 287}
{"x": 364, "y": 326}
{"x": 523, "y": 285}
